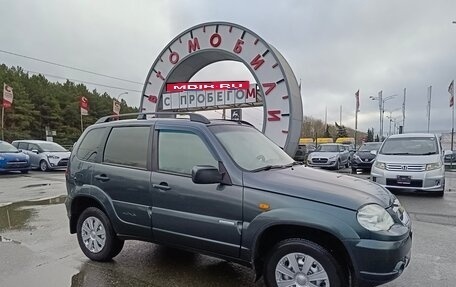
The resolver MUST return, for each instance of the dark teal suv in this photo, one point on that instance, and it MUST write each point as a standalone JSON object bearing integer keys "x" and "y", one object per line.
{"x": 224, "y": 189}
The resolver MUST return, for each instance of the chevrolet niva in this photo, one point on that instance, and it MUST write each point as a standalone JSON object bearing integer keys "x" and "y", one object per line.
{"x": 222, "y": 188}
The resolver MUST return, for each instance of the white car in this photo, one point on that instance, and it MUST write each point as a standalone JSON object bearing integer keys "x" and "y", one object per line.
{"x": 332, "y": 156}
{"x": 412, "y": 162}
{"x": 44, "y": 155}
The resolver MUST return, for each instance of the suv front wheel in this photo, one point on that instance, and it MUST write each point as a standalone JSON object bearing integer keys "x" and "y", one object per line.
{"x": 299, "y": 262}
{"x": 96, "y": 237}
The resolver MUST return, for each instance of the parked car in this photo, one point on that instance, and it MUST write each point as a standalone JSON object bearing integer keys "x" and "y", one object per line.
{"x": 303, "y": 151}
{"x": 364, "y": 158}
{"x": 450, "y": 157}
{"x": 329, "y": 156}
{"x": 12, "y": 159}
{"x": 224, "y": 189}
{"x": 43, "y": 154}
{"x": 411, "y": 162}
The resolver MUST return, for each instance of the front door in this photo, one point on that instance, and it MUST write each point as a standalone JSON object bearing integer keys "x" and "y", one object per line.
{"x": 201, "y": 216}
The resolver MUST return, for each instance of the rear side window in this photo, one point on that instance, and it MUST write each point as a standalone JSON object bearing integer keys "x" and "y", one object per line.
{"x": 89, "y": 146}
{"x": 21, "y": 145}
{"x": 127, "y": 146}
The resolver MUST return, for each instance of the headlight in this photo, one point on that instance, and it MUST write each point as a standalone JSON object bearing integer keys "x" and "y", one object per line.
{"x": 380, "y": 165}
{"x": 373, "y": 217}
{"x": 332, "y": 157}
{"x": 435, "y": 165}
{"x": 356, "y": 157}
{"x": 52, "y": 157}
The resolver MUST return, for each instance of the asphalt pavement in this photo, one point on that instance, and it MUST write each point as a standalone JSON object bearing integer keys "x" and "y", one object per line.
{"x": 36, "y": 248}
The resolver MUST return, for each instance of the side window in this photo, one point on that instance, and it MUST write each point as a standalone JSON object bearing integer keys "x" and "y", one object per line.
{"x": 127, "y": 146}
{"x": 90, "y": 144}
{"x": 33, "y": 147}
{"x": 23, "y": 146}
{"x": 180, "y": 151}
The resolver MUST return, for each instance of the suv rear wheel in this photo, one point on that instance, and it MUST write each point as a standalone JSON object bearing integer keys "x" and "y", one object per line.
{"x": 96, "y": 237}
{"x": 299, "y": 262}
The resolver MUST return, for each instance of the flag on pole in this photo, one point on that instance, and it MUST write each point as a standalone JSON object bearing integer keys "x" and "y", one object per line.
{"x": 451, "y": 91}
{"x": 357, "y": 101}
{"x": 7, "y": 96}
{"x": 84, "y": 105}
{"x": 116, "y": 107}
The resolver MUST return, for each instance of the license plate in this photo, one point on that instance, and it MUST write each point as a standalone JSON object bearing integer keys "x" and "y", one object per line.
{"x": 401, "y": 179}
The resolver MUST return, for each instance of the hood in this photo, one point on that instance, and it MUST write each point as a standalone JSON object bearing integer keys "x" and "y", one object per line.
{"x": 321, "y": 186}
{"x": 14, "y": 156}
{"x": 325, "y": 154}
{"x": 60, "y": 154}
{"x": 409, "y": 159}
{"x": 365, "y": 154}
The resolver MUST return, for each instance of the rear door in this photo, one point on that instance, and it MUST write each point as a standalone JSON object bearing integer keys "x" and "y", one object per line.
{"x": 124, "y": 176}
{"x": 201, "y": 216}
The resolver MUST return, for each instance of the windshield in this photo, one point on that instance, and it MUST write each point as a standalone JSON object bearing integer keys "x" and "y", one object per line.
{"x": 370, "y": 146}
{"x": 249, "y": 148}
{"x": 51, "y": 147}
{"x": 328, "y": 148}
{"x": 410, "y": 146}
{"x": 6, "y": 147}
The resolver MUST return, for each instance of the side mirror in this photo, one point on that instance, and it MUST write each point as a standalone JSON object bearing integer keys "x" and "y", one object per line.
{"x": 374, "y": 152}
{"x": 35, "y": 151}
{"x": 206, "y": 174}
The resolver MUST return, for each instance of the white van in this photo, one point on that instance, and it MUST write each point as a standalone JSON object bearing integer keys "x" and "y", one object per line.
{"x": 410, "y": 161}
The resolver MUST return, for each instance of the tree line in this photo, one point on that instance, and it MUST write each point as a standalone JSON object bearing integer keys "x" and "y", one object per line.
{"x": 39, "y": 103}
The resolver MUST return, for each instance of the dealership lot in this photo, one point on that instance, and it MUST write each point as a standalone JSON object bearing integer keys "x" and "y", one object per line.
{"x": 36, "y": 248}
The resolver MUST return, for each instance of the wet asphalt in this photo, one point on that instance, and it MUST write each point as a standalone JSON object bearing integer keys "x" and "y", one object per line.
{"x": 36, "y": 248}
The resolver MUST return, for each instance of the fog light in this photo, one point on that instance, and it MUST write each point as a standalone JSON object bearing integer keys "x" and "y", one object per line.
{"x": 52, "y": 164}
{"x": 437, "y": 182}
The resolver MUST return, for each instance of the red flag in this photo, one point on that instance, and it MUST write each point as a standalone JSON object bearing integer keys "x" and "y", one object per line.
{"x": 357, "y": 101}
{"x": 7, "y": 96}
{"x": 451, "y": 91}
{"x": 84, "y": 105}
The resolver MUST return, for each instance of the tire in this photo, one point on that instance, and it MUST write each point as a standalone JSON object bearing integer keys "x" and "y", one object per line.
{"x": 24, "y": 171}
{"x": 43, "y": 165}
{"x": 302, "y": 250}
{"x": 354, "y": 170}
{"x": 93, "y": 219}
{"x": 347, "y": 165}
{"x": 337, "y": 167}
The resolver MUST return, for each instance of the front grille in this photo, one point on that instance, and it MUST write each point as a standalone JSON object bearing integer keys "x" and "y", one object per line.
{"x": 16, "y": 164}
{"x": 319, "y": 160}
{"x": 405, "y": 167}
{"x": 413, "y": 183}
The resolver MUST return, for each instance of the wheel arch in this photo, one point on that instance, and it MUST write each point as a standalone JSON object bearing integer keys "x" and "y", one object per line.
{"x": 273, "y": 234}
{"x": 81, "y": 203}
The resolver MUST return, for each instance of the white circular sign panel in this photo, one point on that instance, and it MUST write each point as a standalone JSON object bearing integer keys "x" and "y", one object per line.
{"x": 208, "y": 43}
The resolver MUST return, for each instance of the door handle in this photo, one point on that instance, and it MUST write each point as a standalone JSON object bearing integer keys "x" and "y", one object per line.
{"x": 161, "y": 186}
{"x": 102, "y": 177}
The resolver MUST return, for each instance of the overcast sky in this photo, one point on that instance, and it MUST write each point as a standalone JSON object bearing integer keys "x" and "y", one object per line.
{"x": 335, "y": 47}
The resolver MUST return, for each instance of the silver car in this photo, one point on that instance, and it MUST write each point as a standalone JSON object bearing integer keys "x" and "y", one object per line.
{"x": 412, "y": 162}
{"x": 329, "y": 155}
{"x": 43, "y": 154}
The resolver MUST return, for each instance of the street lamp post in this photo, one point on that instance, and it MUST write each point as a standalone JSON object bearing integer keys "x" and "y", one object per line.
{"x": 381, "y": 106}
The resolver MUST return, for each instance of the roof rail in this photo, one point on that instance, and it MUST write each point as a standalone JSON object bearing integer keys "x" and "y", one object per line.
{"x": 142, "y": 116}
{"x": 240, "y": 121}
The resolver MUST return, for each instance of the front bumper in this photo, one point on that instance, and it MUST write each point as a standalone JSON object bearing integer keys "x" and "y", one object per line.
{"x": 361, "y": 164}
{"x": 378, "y": 262}
{"x": 58, "y": 163}
{"x": 432, "y": 180}
{"x": 330, "y": 163}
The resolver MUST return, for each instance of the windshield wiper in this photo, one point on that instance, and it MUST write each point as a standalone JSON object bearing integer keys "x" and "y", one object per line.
{"x": 427, "y": 153}
{"x": 277, "y": 166}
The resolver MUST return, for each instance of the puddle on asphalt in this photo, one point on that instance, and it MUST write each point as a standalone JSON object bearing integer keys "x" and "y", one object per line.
{"x": 16, "y": 215}
{"x": 36, "y": 185}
